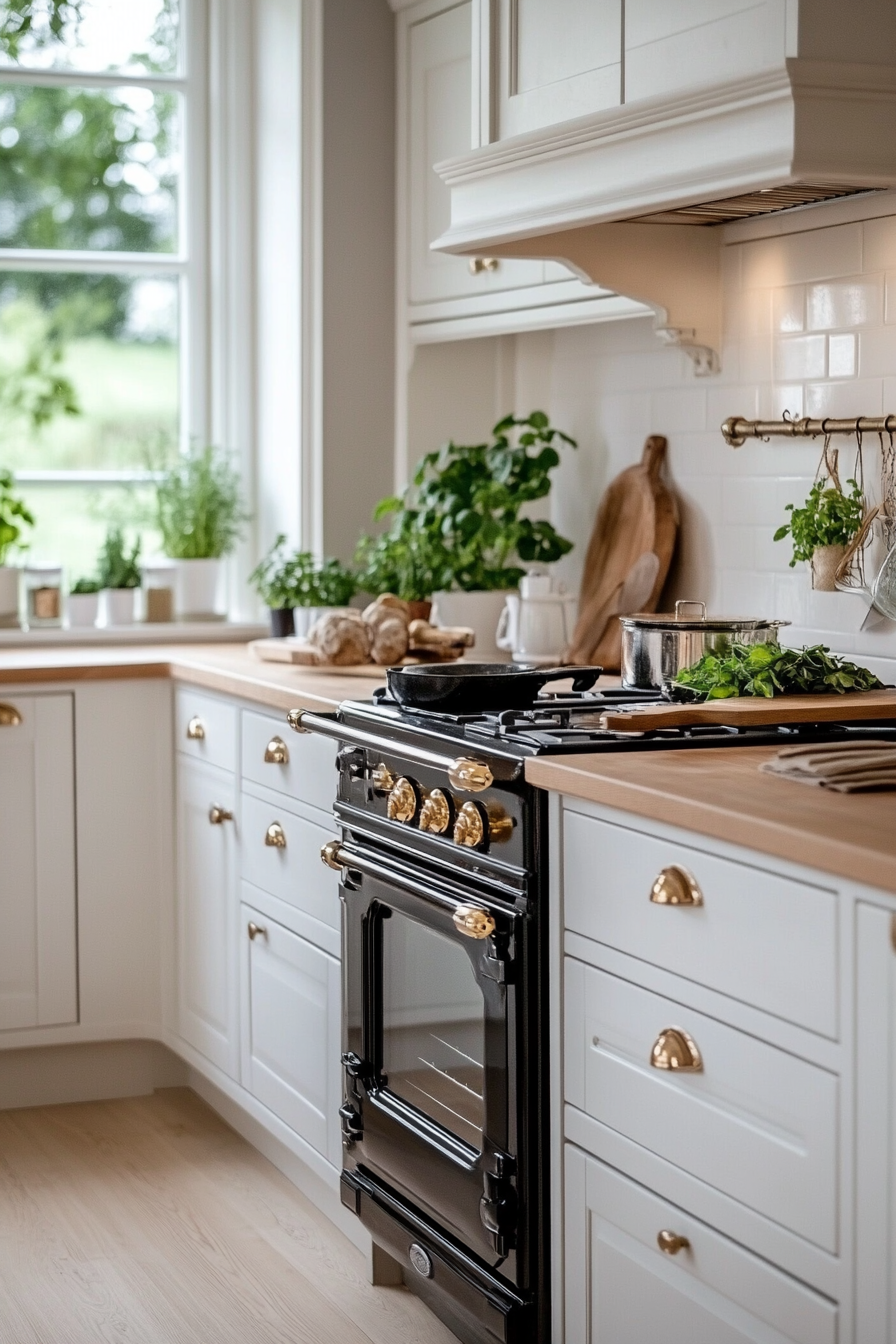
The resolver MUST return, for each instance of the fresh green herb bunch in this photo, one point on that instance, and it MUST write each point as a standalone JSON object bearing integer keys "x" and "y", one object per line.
{"x": 284, "y": 579}
{"x": 829, "y": 517}
{"x": 117, "y": 567}
{"x": 459, "y": 523}
{"x": 769, "y": 670}
{"x": 14, "y": 516}
{"x": 199, "y": 507}
{"x": 85, "y": 586}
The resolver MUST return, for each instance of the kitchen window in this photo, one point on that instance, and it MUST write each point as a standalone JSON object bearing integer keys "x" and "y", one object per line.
{"x": 101, "y": 273}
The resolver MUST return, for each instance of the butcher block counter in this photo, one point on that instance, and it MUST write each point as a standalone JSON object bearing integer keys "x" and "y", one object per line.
{"x": 720, "y": 792}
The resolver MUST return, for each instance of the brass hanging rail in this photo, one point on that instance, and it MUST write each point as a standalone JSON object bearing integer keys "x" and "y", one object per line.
{"x": 736, "y": 430}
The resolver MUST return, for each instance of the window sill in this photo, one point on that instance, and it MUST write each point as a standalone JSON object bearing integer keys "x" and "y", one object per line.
{"x": 175, "y": 632}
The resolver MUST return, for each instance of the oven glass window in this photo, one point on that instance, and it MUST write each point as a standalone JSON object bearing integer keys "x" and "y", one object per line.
{"x": 433, "y": 1026}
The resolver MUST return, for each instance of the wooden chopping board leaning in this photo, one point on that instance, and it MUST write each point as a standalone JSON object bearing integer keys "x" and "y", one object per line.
{"x": 628, "y": 557}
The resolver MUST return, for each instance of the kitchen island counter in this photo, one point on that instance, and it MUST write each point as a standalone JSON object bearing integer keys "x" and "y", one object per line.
{"x": 721, "y": 793}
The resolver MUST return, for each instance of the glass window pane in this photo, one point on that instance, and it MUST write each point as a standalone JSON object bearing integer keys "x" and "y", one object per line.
{"x": 433, "y": 1026}
{"x": 133, "y": 36}
{"x": 71, "y": 522}
{"x": 92, "y": 169}
{"x": 94, "y": 360}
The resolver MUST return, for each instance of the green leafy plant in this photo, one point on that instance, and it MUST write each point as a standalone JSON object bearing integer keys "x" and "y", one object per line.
{"x": 295, "y": 579}
{"x": 18, "y": 24}
{"x": 199, "y": 508}
{"x": 14, "y": 516}
{"x": 84, "y": 587}
{"x": 769, "y": 670}
{"x": 118, "y": 568}
{"x": 829, "y": 517}
{"x": 460, "y": 523}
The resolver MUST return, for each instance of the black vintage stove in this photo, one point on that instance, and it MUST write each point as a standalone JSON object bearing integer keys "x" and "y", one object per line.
{"x": 442, "y": 854}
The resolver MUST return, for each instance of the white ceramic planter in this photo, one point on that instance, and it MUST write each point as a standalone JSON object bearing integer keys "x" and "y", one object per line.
{"x": 481, "y": 611}
{"x": 117, "y": 606}
{"x": 9, "y": 596}
{"x": 199, "y": 590}
{"x": 83, "y": 609}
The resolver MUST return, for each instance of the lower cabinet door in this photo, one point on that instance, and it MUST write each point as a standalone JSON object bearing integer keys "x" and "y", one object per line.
{"x": 623, "y": 1288}
{"x": 291, "y": 1031}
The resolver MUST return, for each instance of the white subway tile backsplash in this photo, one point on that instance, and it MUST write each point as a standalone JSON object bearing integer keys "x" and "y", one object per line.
{"x": 877, "y": 353}
{"x": 678, "y": 408}
{"x": 747, "y": 594}
{"x": 844, "y": 303}
{"x": 879, "y": 251}
{"x": 820, "y": 254}
{"x": 789, "y": 308}
{"x": 748, "y": 500}
{"x": 842, "y": 355}
{"x": 777, "y": 400}
{"x": 799, "y": 357}
{"x": 844, "y": 400}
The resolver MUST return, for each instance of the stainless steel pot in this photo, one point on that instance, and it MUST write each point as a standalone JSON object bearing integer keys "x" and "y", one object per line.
{"x": 655, "y": 648}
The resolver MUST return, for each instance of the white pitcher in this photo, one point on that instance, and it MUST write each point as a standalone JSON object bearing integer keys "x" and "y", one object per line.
{"x": 537, "y": 625}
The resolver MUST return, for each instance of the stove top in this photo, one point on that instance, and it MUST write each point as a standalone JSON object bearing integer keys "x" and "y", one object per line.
{"x": 570, "y": 722}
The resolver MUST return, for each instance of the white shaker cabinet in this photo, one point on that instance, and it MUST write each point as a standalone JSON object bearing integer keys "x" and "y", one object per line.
{"x": 38, "y": 947}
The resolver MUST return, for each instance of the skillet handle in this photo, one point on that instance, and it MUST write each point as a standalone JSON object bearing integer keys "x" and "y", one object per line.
{"x": 583, "y": 678}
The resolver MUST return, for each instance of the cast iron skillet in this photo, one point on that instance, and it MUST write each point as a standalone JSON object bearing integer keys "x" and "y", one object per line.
{"x": 471, "y": 688}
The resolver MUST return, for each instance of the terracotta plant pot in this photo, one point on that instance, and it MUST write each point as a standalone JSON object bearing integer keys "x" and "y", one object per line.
{"x": 825, "y": 561}
{"x": 420, "y": 611}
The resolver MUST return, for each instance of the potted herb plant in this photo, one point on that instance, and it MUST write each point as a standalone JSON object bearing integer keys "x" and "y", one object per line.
{"x": 84, "y": 603}
{"x": 14, "y": 518}
{"x": 200, "y": 515}
{"x": 459, "y": 533}
{"x": 288, "y": 583}
{"x": 119, "y": 578}
{"x": 823, "y": 527}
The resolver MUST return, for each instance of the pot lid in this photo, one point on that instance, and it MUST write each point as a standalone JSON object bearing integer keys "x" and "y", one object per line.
{"x": 692, "y": 616}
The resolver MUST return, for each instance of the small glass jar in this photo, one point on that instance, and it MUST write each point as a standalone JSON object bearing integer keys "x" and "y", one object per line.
{"x": 158, "y": 591}
{"x": 43, "y": 595}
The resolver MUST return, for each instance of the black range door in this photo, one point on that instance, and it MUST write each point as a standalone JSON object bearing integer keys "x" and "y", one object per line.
{"x": 432, "y": 1042}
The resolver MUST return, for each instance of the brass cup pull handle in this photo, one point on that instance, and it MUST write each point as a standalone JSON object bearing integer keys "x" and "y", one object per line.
{"x": 9, "y": 717}
{"x": 672, "y": 1242}
{"x": 218, "y": 815}
{"x": 196, "y": 729}
{"x": 276, "y": 752}
{"x": 331, "y": 854}
{"x": 256, "y": 931}
{"x": 676, "y": 886}
{"x": 473, "y": 922}
{"x": 275, "y": 836}
{"x": 675, "y": 1050}
{"x": 479, "y": 264}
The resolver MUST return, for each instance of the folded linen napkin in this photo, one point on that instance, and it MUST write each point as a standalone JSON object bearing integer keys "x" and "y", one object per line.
{"x": 846, "y": 767}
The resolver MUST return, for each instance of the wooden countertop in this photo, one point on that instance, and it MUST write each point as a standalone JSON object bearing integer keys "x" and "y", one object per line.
{"x": 228, "y": 668}
{"x": 720, "y": 792}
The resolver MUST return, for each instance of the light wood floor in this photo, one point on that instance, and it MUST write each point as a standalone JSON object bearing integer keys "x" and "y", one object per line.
{"x": 150, "y": 1221}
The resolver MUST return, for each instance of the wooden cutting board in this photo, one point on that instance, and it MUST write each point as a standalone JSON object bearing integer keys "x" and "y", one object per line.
{"x": 745, "y": 711}
{"x": 638, "y": 515}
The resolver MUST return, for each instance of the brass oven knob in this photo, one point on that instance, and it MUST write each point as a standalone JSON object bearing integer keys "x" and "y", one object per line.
{"x": 435, "y": 814}
{"x": 469, "y": 829}
{"x": 275, "y": 836}
{"x": 218, "y": 815}
{"x": 473, "y": 922}
{"x": 382, "y": 778}
{"x": 676, "y": 886}
{"x": 674, "y": 1049}
{"x": 402, "y": 804}
{"x": 196, "y": 729}
{"x": 671, "y": 1242}
{"x": 276, "y": 752}
{"x": 470, "y": 776}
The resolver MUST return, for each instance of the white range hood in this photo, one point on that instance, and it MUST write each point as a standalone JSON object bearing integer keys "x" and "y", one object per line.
{"x": 629, "y": 195}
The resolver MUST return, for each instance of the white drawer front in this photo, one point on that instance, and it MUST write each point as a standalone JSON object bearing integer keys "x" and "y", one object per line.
{"x": 292, "y": 870}
{"x": 756, "y": 1123}
{"x": 766, "y": 940}
{"x": 309, "y": 773}
{"x": 205, "y": 728}
{"x": 622, "y": 1289}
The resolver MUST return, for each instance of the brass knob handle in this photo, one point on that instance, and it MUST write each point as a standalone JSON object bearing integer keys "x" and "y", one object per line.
{"x": 218, "y": 815}
{"x": 671, "y": 1242}
{"x": 403, "y": 801}
{"x": 256, "y": 931}
{"x": 275, "y": 836}
{"x": 9, "y": 717}
{"x": 473, "y": 922}
{"x": 196, "y": 729}
{"x": 676, "y": 886}
{"x": 435, "y": 814}
{"x": 469, "y": 829}
{"x": 382, "y": 778}
{"x": 331, "y": 854}
{"x": 479, "y": 264}
{"x": 675, "y": 1050}
{"x": 276, "y": 752}
{"x": 470, "y": 776}
{"x": 294, "y": 719}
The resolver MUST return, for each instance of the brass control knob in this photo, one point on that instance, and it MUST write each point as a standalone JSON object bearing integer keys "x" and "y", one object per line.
{"x": 676, "y": 886}
{"x": 436, "y": 812}
{"x": 382, "y": 778}
{"x": 470, "y": 776}
{"x": 671, "y": 1242}
{"x": 276, "y": 752}
{"x": 473, "y": 922}
{"x": 275, "y": 836}
{"x": 476, "y": 823}
{"x": 674, "y": 1049}
{"x": 403, "y": 801}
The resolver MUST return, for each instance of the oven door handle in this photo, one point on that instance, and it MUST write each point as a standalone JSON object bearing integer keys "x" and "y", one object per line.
{"x": 328, "y": 725}
{"x": 340, "y": 856}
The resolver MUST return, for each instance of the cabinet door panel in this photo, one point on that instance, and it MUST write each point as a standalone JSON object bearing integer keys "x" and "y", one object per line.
{"x": 38, "y": 958}
{"x": 206, "y": 860}
{"x": 291, "y": 1031}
